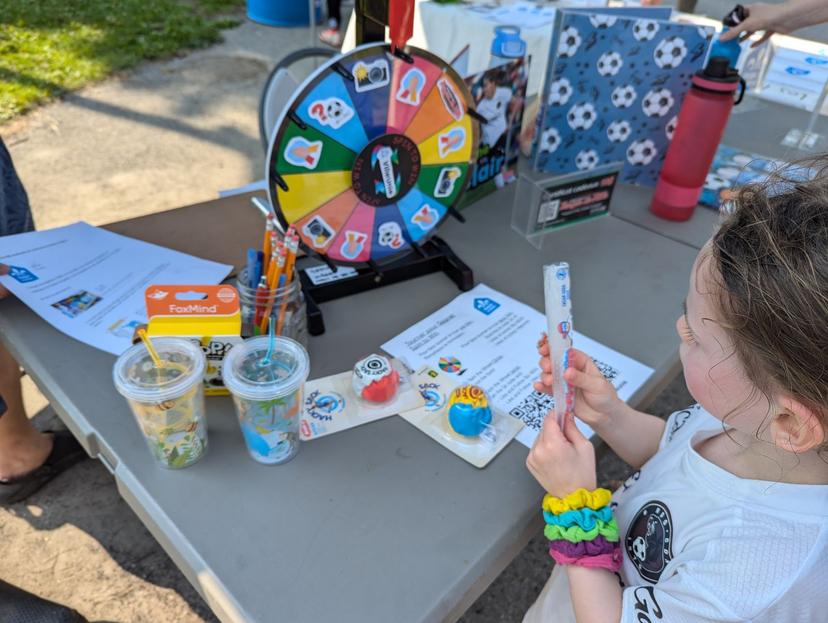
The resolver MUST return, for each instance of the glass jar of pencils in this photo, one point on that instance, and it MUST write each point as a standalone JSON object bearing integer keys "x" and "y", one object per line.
{"x": 285, "y": 306}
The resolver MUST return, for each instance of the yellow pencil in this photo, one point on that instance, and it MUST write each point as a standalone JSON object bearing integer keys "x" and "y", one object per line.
{"x": 267, "y": 249}
{"x": 293, "y": 247}
{"x": 278, "y": 267}
{"x": 271, "y": 283}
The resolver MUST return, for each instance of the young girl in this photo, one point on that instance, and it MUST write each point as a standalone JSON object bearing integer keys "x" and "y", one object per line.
{"x": 726, "y": 517}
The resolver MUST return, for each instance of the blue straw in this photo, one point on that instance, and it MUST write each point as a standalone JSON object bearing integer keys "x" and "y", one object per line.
{"x": 271, "y": 333}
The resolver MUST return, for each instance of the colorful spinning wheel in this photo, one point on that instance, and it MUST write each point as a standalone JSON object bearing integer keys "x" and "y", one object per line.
{"x": 371, "y": 153}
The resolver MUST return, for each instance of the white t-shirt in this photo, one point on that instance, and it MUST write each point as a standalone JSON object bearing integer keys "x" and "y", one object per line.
{"x": 494, "y": 111}
{"x": 701, "y": 544}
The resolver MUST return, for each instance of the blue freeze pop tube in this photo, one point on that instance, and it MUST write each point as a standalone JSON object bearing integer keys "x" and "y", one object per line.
{"x": 559, "y": 333}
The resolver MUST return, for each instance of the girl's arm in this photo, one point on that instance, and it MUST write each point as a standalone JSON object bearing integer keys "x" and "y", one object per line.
{"x": 633, "y": 435}
{"x": 596, "y": 595}
{"x": 562, "y": 460}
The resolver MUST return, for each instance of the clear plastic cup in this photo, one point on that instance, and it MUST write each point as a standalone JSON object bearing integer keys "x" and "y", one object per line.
{"x": 268, "y": 395}
{"x": 167, "y": 402}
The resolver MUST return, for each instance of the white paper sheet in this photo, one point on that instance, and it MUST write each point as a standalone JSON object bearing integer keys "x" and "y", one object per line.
{"x": 488, "y": 339}
{"x": 89, "y": 283}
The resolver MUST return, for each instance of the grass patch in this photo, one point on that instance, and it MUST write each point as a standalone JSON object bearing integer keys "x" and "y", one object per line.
{"x": 50, "y": 47}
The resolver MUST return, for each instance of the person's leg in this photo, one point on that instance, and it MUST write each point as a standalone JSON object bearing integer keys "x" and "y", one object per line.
{"x": 22, "y": 447}
{"x": 332, "y": 35}
{"x": 334, "y": 14}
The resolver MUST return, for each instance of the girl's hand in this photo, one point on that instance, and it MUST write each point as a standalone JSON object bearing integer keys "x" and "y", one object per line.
{"x": 562, "y": 460}
{"x": 595, "y": 397}
{"x": 769, "y": 18}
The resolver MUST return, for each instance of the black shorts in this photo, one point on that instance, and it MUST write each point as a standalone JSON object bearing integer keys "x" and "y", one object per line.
{"x": 15, "y": 214}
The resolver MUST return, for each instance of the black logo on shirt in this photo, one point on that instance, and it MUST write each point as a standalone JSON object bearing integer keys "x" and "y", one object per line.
{"x": 646, "y": 605}
{"x": 678, "y": 422}
{"x": 649, "y": 540}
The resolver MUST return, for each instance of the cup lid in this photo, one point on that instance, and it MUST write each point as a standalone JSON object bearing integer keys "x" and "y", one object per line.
{"x": 136, "y": 377}
{"x": 248, "y": 375}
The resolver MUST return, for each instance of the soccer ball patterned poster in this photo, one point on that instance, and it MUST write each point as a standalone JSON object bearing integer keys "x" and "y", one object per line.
{"x": 613, "y": 92}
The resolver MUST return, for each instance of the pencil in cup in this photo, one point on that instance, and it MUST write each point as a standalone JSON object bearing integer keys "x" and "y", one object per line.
{"x": 271, "y": 299}
{"x": 290, "y": 264}
{"x": 275, "y": 282}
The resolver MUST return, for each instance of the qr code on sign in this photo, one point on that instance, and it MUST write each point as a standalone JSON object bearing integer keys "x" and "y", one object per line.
{"x": 536, "y": 405}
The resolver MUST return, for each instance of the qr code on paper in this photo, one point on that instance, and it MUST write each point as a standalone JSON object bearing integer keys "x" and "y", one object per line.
{"x": 533, "y": 409}
{"x": 606, "y": 369}
{"x": 536, "y": 405}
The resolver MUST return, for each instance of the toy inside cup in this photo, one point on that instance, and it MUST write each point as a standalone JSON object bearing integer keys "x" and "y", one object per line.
{"x": 375, "y": 379}
{"x": 468, "y": 411}
{"x": 268, "y": 389}
{"x": 167, "y": 401}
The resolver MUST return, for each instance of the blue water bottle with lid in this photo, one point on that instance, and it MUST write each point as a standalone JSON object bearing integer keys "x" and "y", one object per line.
{"x": 730, "y": 49}
{"x": 506, "y": 45}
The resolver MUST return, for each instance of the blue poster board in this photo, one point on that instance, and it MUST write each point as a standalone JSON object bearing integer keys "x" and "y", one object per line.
{"x": 613, "y": 91}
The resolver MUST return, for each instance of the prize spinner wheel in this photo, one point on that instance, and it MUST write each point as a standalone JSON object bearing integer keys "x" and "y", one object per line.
{"x": 371, "y": 152}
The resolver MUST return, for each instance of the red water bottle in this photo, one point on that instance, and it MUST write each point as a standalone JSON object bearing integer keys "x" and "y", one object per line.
{"x": 699, "y": 130}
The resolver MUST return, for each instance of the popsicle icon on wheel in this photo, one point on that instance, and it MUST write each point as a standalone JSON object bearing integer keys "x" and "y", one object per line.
{"x": 301, "y": 152}
{"x": 559, "y": 334}
{"x": 353, "y": 245}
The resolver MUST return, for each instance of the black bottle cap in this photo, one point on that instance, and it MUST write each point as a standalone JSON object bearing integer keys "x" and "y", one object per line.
{"x": 736, "y": 16}
{"x": 718, "y": 69}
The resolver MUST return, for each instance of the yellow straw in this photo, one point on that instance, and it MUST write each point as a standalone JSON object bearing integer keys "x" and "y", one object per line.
{"x": 150, "y": 348}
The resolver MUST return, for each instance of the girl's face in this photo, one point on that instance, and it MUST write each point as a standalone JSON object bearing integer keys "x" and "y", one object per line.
{"x": 714, "y": 375}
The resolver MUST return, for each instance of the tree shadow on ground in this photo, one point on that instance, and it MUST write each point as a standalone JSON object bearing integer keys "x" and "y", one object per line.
{"x": 85, "y": 496}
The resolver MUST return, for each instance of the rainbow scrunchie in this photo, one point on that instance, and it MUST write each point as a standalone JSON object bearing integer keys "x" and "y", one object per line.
{"x": 581, "y": 530}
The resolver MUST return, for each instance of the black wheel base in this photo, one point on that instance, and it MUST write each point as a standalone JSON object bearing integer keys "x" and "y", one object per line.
{"x": 433, "y": 256}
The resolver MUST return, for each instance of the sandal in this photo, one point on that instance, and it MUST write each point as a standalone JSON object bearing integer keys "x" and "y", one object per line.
{"x": 66, "y": 451}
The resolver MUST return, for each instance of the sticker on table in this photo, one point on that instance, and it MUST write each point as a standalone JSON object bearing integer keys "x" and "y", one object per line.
{"x": 301, "y": 152}
{"x": 446, "y": 180}
{"x": 332, "y": 112}
{"x": 451, "y": 100}
{"x": 411, "y": 87}
{"x": 370, "y": 76}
